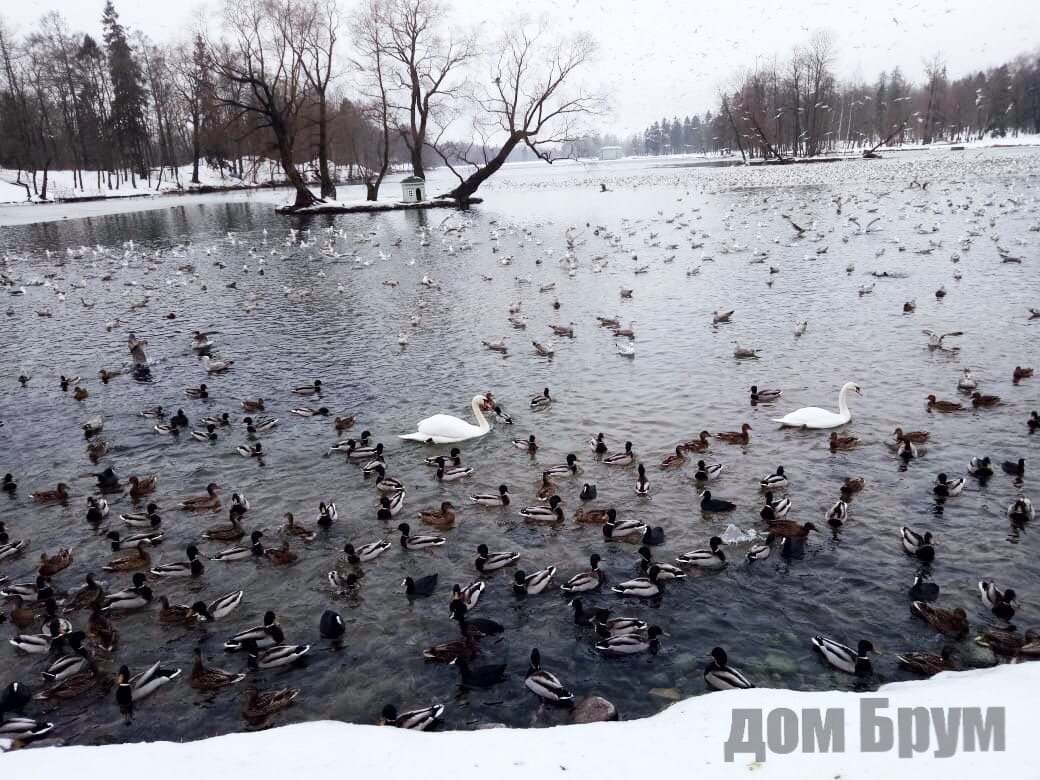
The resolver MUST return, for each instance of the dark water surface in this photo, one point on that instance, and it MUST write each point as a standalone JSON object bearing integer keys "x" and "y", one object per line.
{"x": 292, "y": 325}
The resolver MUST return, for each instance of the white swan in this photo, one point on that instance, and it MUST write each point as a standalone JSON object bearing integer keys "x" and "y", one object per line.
{"x": 445, "y": 429}
{"x": 817, "y": 418}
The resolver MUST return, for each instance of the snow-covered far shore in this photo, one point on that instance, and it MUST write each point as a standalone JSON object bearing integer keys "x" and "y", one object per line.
{"x": 685, "y": 741}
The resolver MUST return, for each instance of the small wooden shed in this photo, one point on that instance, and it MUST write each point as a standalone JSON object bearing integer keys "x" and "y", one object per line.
{"x": 413, "y": 189}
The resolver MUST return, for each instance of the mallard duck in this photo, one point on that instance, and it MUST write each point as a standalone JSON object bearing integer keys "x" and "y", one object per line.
{"x": 251, "y": 451}
{"x": 415, "y": 720}
{"x": 454, "y": 457}
{"x": 1007, "y": 643}
{"x": 142, "y": 486}
{"x": 22, "y": 730}
{"x": 720, "y": 676}
{"x": 774, "y": 481}
{"x": 850, "y": 487}
{"x": 735, "y": 437}
{"x": 366, "y": 552}
{"x": 593, "y": 516}
{"x": 918, "y": 545}
{"x": 260, "y": 424}
{"x": 492, "y": 561}
{"x": 100, "y": 629}
{"x": 9, "y": 485}
{"x": 709, "y": 504}
{"x": 642, "y": 483}
{"x": 625, "y": 458}
{"x": 190, "y": 568}
{"x": 1014, "y": 468}
{"x": 775, "y": 509}
{"x": 712, "y": 558}
{"x": 528, "y": 445}
{"x": 344, "y": 423}
{"x": 1021, "y": 510}
{"x": 281, "y": 556}
{"x": 222, "y": 421}
{"x": 10, "y": 549}
{"x": 978, "y": 399}
{"x": 197, "y": 392}
{"x": 582, "y": 616}
{"x": 421, "y": 587}
{"x": 917, "y": 437}
{"x": 642, "y": 587}
{"x": 1033, "y": 422}
{"x": 390, "y": 505}
{"x": 470, "y": 595}
{"x": 760, "y": 550}
{"x": 175, "y": 614}
{"x": 385, "y": 484}
{"x": 219, "y": 608}
{"x": 166, "y": 430}
{"x": 789, "y": 529}
{"x": 141, "y": 560}
{"x": 409, "y": 542}
{"x": 706, "y": 473}
{"x": 59, "y": 495}
{"x": 699, "y": 444}
{"x": 845, "y": 658}
{"x": 1000, "y": 602}
{"x": 69, "y": 664}
{"x": 453, "y": 474}
{"x": 291, "y": 528}
{"x": 86, "y": 595}
{"x": 208, "y": 678}
{"x": 935, "y": 405}
{"x": 1021, "y": 373}
{"x": 52, "y": 564}
{"x": 622, "y": 530}
{"x": 951, "y": 623}
{"x": 136, "y": 596}
{"x": 598, "y": 444}
{"x": 532, "y": 584}
{"x": 274, "y": 656}
{"x": 261, "y": 705}
{"x": 587, "y": 580}
{"x": 946, "y": 487}
{"x": 475, "y": 628}
{"x": 32, "y": 644}
{"x": 133, "y": 689}
{"x": 542, "y": 514}
{"x": 73, "y": 686}
{"x": 327, "y": 514}
{"x": 442, "y": 518}
{"x": 343, "y": 584}
{"x": 838, "y": 514}
{"x": 210, "y": 434}
{"x": 607, "y": 626}
{"x": 632, "y": 643}
{"x": 208, "y": 502}
{"x": 542, "y": 401}
{"x": 242, "y": 553}
{"x": 547, "y": 489}
{"x": 150, "y": 518}
{"x": 980, "y": 467}
{"x": 543, "y": 684}
{"x": 80, "y": 393}
{"x": 842, "y": 443}
{"x": 226, "y": 533}
{"x": 567, "y": 469}
{"x": 492, "y": 499}
{"x": 179, "y": 420}
{"x": 674, "y": 461}
{"x": 479, "y": 676}
{"x": 362, "y": 451}
{"x": 666, "y": 571}
{"x": 929, "y": 664}
{"x": 467, "y": 648}
{"x": 311, "y": 389}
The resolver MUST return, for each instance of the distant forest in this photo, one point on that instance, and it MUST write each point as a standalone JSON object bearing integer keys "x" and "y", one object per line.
{"x": 799, "y": 107}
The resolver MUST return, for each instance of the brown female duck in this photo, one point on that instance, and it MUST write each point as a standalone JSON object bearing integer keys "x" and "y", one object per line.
{"x": 52, "y": 564}
{"x": 208, "y": 678}
{"x": 935, "y": 405}
{"x": 951, "y": 623}
{"x": 789, "y": 529}
{"x": 445, "y": 518}
{"x": 142, "y": 486}
{"x": 208, "y": 502}
{"x": 929, "y": 664}
{"x": 142, "y": 559}
{"x": 978, "y": 399}
{"x": 735, "y": 437}
{"x": 674, "y": 461}
{"x": 260, "y": 705}
{"x": 842, "y": 443}
{"x": 281, "y": 556}
{"x": 699, "y": 444}
{"x": 917, "y": 437}
{"x": 59, "y": 495}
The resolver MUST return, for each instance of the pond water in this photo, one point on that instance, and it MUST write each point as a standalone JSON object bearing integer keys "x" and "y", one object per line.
{"x": 326, "y": 314}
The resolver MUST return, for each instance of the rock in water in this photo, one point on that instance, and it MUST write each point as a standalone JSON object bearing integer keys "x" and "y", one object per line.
{"x": 593, "y": 709}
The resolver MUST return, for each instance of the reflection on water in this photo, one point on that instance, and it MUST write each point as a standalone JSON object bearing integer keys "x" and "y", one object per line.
{"x": 330, "y": 316}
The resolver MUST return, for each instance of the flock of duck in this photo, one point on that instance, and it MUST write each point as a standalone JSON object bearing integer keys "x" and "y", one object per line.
{"x": 72, "y": 630}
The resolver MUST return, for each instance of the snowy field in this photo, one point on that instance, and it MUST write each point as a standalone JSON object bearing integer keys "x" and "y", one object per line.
{"x": 685, "y": 741}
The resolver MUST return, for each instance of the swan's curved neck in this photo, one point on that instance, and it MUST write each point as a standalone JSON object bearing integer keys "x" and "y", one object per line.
{"x": 843, "y": 406}
{"x": 482, "y": 422}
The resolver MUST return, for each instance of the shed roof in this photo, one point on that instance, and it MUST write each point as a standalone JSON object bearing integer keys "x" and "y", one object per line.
{"x": 413, "y": 180}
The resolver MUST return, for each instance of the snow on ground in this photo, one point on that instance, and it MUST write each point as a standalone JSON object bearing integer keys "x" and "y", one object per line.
{"x": 685, "y": 741}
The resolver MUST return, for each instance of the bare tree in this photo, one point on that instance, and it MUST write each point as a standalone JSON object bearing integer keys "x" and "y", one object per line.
{"x": 935, "y": 73}
{"x": 260, "y": 58}
{"x": 427, "y": 65}
{"x": 369, "y": 40}
{"x": 531, "y": 100}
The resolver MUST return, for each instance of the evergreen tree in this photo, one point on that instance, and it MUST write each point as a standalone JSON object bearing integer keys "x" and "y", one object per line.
{"x": 126, "y": 117}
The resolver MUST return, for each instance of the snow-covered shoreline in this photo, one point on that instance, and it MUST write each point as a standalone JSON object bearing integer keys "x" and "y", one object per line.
{"x": 686, "y": 740}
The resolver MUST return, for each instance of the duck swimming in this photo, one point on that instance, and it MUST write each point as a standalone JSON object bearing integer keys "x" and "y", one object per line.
{"x": 706, "y": 473}
{"x": 712, "y": 558}
{"x": 709, "y": 504}
{"x": 720, "y": 676}
{"x": 736, "y": 437}
{"x": 844, "y": 658}
{"x": 775, "y": 509}
{"x": 946, "y": 487}
{"x": 492, "y": 561}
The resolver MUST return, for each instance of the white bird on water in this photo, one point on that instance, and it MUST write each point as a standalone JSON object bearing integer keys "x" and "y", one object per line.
{"x": 819, "y": 419}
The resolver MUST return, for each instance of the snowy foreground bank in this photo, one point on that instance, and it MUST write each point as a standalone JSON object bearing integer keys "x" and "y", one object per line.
{"x": 686, "y": 741}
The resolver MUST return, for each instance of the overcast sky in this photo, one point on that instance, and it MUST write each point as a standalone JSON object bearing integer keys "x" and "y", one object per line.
{"x": 668, "y": 57}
